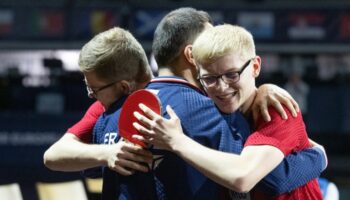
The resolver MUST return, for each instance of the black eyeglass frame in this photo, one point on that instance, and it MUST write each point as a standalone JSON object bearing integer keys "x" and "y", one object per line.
{"x": 228, "y": 77}
{"x": 92, "y": 93}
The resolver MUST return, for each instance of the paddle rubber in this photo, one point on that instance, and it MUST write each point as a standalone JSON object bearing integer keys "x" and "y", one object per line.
{"x": 131, "y": 104}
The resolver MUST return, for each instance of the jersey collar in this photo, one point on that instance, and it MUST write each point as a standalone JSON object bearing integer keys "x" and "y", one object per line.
{"x": 178, "y": 80}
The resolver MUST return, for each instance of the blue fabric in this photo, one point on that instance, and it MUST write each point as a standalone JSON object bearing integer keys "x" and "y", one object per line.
{"x": 204, "y": 123}
{"x": 201, "y": 120}
{"x": 324, "y": 186}
{"x": 173, "y": 178}
{"x": 295, "y": 170}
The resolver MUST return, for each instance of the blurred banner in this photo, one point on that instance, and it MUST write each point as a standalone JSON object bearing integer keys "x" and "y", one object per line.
{"x": 260, "y": 24}
{"x": 6, "y": 22}
{"x": 102, "y": 20}
{"x": 344, "y": 28}
{"x": 267, "y": 25}
{"x": 89, "y": 22}
{"x": 144, "y": 22}
{"x": 309, "y": 26}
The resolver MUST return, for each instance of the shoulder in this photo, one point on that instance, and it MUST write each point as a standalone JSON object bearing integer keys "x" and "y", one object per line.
{"x": 277, "y": 125}
{"x": 95, "y": 110}
{"x": 277, "y": 118}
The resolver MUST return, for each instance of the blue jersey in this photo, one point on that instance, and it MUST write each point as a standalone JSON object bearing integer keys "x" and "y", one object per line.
{"x": 171, "y": 177}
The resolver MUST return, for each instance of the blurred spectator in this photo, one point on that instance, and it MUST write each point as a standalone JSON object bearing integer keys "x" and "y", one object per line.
{"x": 299, "y": 90}
{"x": 329, "y": 189}
{"x": 327, "y": 67}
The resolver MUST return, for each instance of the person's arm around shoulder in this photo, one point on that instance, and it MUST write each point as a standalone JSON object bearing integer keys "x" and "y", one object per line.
{"x": 237, "y": 172}
{"x": 83, "y": 129}
{"x": 272, "y": 95}
{"x": 297, "y": 168}
{"x": 288, "y": 176}
{"x": 70, "y": 154}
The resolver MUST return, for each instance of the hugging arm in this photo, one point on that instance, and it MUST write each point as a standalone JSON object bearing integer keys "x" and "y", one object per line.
{"x": 71, "y": 154}
{"x": 243, "y": 173}
{"x": 295, "y": 170}
{"x": 272, "y": 95}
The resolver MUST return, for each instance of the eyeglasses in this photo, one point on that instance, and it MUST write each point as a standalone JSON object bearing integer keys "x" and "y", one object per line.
{"x": 92, "y": 93}
{"x": 228, "y": 77}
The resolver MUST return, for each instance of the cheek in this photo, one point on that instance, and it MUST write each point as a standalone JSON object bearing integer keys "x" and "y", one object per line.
{"x": 210, "y": 92}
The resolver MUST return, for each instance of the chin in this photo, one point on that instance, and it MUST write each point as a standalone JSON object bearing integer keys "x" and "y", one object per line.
{"x": 227, "y": 109}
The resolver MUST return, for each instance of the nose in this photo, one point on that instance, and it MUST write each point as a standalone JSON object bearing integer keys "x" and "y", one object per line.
{"x": 221, "y": 84}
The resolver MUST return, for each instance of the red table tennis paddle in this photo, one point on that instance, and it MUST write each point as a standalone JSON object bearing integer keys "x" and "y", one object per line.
{"x": 131, "y": 104}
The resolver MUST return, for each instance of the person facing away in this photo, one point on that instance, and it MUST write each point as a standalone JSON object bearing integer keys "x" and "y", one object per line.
{"x": 228, "y": 66}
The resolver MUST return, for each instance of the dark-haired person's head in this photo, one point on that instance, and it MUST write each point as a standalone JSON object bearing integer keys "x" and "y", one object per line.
{"x": 176, "y": 30}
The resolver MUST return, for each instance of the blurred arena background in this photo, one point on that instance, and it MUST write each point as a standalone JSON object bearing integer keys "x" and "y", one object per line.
{"x": 42, "y": 93}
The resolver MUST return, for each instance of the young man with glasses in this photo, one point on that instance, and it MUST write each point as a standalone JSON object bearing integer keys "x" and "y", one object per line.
{"x": 92, "y": 92}
{"x": 228, "y": 75}
{"x": 119, "y": 70}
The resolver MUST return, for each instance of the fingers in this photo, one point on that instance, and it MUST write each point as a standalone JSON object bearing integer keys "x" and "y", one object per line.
{"x": 278, "y": 106}
{"x": 171, "y": 112}
{"x": 287, "y": 100}
{"x": 144, "y": 120}
{"x": 148, "y": 140}
{"x": 127, "y": 167}
{"x": 130, "y": 158}
{"x": 136, "y": 153}
{"x": 265, "y": 114}
{"x": 261, "y": 109}
{"x": 149, "y": 112}
{"x": 143, "y": 130}
{"x": 122, "y": 171}
{"x": 289, "y": 104}
{"x": 290, "y": 98}
{"x": 295, "y": 106}
{"x": 139, "y": 138}
{"x": 276, "y": 97}
{"x": 153, "y": 119}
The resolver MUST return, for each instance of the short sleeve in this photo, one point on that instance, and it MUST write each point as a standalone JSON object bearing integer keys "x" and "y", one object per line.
{"x": 287, "y": 135}
{"x": 83, "y": 129}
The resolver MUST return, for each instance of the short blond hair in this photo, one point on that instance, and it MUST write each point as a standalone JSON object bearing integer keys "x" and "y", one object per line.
{"x": 115, "y": 55}
{"x": 222, "y": 40}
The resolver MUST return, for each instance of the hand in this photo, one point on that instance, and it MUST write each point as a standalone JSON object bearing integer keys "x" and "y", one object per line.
{"x": 315, "y": 144}
{"x": 161, "y": 132}
{"x": 269, "y": 94}
{"x": 124, "y": 158}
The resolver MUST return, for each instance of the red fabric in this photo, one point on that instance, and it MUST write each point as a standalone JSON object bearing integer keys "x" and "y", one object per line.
{"x": 83, "y": 129}
{"x": 288, "y": 136}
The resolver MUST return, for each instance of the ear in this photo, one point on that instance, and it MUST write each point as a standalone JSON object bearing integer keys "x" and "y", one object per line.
{"x": 188, "y": 54}
{"x": 125, "y": 87}
{"x": 256, "y": 66}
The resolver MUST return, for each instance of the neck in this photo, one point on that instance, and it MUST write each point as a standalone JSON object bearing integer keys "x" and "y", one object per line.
{"x": 165, "y": 71}
{"x": 141, "y": 85}
{"x": 181, "y": 68}
{"x": 246, "y": 108}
